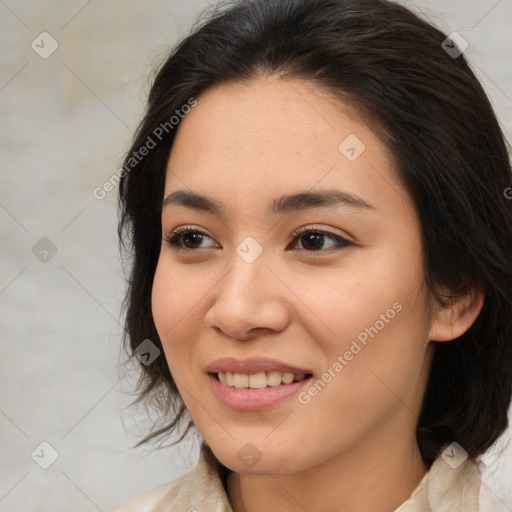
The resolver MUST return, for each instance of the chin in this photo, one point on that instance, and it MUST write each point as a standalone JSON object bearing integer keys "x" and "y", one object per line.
{"x": 250, "y": 461}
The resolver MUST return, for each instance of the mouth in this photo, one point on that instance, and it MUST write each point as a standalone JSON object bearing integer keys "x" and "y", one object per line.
{"x": 259, "y": 380}
{"x": 255, "y": 383}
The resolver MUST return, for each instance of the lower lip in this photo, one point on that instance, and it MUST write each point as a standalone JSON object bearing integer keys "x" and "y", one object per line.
{"x": 248, "y": 399}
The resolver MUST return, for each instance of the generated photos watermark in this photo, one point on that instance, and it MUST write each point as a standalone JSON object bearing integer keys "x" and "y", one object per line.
{"x": 344, "y": 359}
{"x": 151, "y": 142}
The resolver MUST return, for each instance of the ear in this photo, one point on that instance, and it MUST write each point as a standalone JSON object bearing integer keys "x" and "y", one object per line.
{"x": 454, "y": 320}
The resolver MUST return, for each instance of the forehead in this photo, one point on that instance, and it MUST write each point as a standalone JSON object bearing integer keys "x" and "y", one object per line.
{"x": 270, "y": 136}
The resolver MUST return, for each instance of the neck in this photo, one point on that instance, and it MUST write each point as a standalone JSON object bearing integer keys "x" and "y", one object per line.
{"x": 362, "y": 479}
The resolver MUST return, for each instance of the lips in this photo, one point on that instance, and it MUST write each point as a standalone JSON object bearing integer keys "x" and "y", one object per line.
{"x": 254, "y": 365}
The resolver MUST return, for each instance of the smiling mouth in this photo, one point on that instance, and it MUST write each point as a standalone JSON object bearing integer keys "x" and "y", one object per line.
{"x": 258, "y": 380}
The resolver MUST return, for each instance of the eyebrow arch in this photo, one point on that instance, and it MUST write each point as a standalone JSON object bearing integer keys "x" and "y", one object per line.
{"x": 280, "y": 205}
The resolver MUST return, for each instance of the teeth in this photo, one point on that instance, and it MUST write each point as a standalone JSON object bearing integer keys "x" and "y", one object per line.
{"x": 287, "y": 378}
{"x": 258, "y": 380}
{"x": 274, "y": 378}
{"x": 240, "y": 380}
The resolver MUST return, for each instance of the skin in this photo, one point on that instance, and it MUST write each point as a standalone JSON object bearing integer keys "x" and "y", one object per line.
{"x": 353, "y": 446}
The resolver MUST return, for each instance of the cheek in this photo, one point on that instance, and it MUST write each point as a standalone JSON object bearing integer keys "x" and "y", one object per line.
{"x": 169, "y": 299}
{"x": 175, "y": 293}
{"x": 373, "y": 333}
{"x": 163, "y": 300}
{"x": 366, "y": 384}
{"x": 379, "y": 367}
{"x": 362, "y": 299}
{"x": 178, "y": 302}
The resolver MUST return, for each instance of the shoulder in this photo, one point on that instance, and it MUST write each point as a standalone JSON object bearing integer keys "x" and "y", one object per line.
{"x": 199, "y": 489}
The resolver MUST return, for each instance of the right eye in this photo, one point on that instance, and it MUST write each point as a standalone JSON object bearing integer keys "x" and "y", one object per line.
{"x": 186, "y": 238}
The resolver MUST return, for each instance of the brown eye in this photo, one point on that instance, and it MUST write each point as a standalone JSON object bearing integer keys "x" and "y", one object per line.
{"x": 186, "y": 239}
{"x": 191, "y": 238}
{"x": 313, "y": 240}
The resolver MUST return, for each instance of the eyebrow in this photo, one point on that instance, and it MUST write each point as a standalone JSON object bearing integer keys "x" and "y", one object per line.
{"x": 280, "y": 205}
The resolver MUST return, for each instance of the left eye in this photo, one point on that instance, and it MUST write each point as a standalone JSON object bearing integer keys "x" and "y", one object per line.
{"x": 312, "y": 240}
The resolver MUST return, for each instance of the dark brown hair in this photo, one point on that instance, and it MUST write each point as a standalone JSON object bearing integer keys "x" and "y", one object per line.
{"x": 451, "y": 157}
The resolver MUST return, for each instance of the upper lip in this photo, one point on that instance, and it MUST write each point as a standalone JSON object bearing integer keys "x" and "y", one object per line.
{"x": 253, "y": 365}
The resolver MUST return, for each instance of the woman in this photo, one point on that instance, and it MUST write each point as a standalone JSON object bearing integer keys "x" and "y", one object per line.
{"x": 317, "y": 210}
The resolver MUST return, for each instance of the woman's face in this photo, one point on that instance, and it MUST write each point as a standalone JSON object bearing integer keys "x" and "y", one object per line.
{"x": 345, "y": 304}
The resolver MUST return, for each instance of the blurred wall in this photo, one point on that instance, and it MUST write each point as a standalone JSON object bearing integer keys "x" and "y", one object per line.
{"x": 67, "y": 118}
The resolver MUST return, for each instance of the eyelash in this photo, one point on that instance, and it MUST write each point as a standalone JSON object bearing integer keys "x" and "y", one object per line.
{"x": 176, "y": 237}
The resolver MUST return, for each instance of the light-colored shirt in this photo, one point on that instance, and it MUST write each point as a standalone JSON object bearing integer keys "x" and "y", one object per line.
{"x": 443, "y": 489}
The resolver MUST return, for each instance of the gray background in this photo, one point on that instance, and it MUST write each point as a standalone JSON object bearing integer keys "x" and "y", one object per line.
{"x": 66, "y": 123}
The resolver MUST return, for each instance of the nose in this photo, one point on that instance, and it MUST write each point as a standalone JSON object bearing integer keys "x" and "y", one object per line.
{"x": 249, "y": 301}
